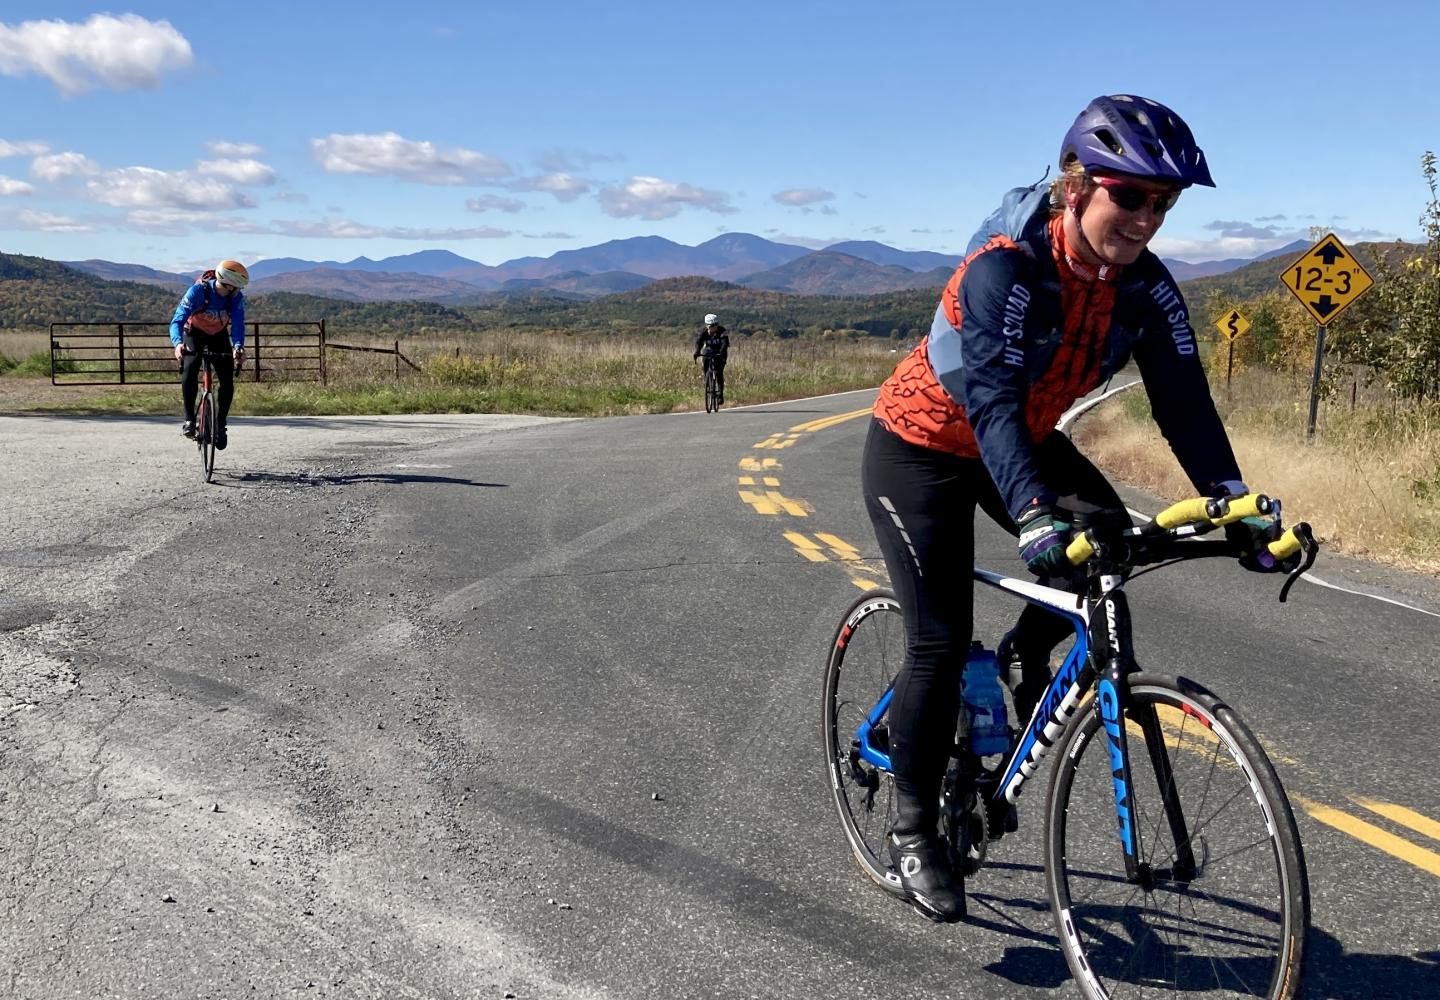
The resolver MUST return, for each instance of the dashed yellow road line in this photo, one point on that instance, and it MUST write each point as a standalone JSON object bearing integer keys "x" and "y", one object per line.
{"x": 843, "y": 549}
{"x": 1409, "y": 818}
{"x": 773, "y": 502}
{"x": 805, "y": 546}
{"x": 749, "y": 464}
{"x": 778, "y": 441}
{"x": 1368, "y": 833}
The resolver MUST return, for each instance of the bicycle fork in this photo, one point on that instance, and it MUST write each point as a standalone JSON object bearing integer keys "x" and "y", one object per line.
{"x": 1111, "y": 648}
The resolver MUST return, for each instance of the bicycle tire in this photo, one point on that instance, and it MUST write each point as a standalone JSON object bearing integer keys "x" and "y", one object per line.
{"x": 205, "y": 433}
{"x": 1237, "y": 927}
{"x": 864, "y": 657}
{"x": 712, "y": 390}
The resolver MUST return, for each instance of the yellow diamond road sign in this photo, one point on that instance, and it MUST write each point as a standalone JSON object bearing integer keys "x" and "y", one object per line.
{"x": 1327, "y": 279}
{"x": 1233, "y": 324}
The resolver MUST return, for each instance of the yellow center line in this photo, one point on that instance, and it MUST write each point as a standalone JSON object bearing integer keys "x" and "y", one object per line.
{"x": 1368, "y": 833}
{"x": 791, "y": 507}
{"x": 805, "y": 546}
{"x": 747, "y": 480}
{"x": 1423, "y": 825}
{"x": 823, "y": 422}
{"x": 750, "y": 464}
{"x": 770, "y": 481}
{"x": 839, "y": 546}
{"x": 762, "y": 504}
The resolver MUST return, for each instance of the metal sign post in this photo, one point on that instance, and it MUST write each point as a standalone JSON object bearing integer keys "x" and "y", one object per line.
{"x": 1326, "y": 279}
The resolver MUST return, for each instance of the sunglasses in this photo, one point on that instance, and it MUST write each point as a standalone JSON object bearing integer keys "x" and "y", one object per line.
{"x": 1132, "y": 197}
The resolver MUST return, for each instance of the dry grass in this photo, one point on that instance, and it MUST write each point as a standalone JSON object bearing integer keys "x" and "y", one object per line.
{"x": 1369, "y": 483}
{"x": 504, "y": 371}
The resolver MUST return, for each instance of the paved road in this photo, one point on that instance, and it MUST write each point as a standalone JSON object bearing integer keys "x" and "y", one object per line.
{"x": 476, "y": 706}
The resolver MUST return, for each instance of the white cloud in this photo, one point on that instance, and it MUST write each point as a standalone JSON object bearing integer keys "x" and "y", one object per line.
{"x": 145, "y": 187}
{"x": 348, "y": 229}
{"x": 652, "y": 198}
{"x": 57, "y": 166}
{"x": 237, "y": 171}
{"x": 485, "y": 203}
{"x": 803, "y": 196}
{"x": 388, "y": 153}
{"x": 51, "y": 223}
{"x": 122, "y": 53}
{"x": 8, "y": 185}
{"x": 22, "y": 148}
{"x": 562, "y": 185}
{"x": 179, "y": 222}
{"x": 566, "y": 161}
{"x": 293, "y": 197}
{"x": 233, "y": 149}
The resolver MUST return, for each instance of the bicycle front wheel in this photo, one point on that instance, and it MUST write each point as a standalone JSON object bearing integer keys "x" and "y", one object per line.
{"x": 864, "y": 657}
{"x": 205, "y": 424}
{"x": 1221, "y": 906}
{"x": 712, "y": 391}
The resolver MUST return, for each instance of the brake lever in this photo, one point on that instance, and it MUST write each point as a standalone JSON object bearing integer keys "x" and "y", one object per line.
{"x": 1310, "y": 547}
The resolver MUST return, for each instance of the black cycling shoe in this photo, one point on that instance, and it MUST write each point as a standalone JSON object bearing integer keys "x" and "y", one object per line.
{"x": 220, "y": 439}
{"x": 926, "y": 877}
{"x": 188, "y": 429}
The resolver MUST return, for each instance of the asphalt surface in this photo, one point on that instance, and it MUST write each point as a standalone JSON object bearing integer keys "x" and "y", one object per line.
{"x": 504, "y": 706}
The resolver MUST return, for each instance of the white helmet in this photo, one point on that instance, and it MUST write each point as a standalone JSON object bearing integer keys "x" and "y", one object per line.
{"x": 711, "y": 319}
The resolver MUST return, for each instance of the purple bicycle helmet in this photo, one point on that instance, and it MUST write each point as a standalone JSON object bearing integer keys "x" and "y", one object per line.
{"x": 1138, "y": 136}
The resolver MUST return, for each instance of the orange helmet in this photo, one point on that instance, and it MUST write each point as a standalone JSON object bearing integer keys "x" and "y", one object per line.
{"x": 232, "y": 272}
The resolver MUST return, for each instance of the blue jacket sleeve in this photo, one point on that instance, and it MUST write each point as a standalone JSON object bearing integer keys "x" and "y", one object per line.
{"x": 1180, "y": 400}
{"x": 992, "y": 383}
{"x": 189, "y": 302}
{"x": 237, "y": 319}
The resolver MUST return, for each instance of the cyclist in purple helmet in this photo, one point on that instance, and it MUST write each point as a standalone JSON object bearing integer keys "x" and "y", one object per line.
{"x": 1057, "y": 292}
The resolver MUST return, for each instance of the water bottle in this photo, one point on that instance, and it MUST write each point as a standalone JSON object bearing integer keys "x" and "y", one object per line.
{"x": 984, "y": 702}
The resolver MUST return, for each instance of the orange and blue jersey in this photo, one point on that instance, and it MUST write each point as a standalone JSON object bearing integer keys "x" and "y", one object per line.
{"x": 206, "y": 311}
{"x": 1021, "y": 333}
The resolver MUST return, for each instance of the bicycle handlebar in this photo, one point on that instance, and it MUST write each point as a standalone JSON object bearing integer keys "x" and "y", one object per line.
{"x": 1205, "y": 514}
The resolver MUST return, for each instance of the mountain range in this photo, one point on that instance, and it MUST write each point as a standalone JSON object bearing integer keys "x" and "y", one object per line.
{"x": 856, "y": 267}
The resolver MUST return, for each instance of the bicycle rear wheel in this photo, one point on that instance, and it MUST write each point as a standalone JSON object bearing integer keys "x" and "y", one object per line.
{"x": 1235, "y": 926}
{"x": 864, "y": 658}
{"x": 205, "y": 429}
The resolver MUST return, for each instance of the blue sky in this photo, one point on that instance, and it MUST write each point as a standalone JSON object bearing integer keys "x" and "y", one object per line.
{"x": 166, "y": 134}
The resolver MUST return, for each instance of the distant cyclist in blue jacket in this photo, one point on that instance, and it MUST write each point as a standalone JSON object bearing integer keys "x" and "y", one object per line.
{"x": 211, "y": 315}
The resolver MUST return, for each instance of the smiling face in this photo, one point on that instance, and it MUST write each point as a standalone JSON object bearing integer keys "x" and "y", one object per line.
{"x": 1117, "y": 217}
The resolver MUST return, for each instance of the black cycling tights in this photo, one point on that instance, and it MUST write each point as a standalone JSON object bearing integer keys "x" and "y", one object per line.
{"x": 219, "y": 345}
{"x": 922, "y": 504}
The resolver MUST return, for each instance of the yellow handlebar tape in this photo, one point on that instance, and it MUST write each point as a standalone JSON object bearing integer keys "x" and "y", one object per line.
{"x": 1182, "y": 513}
{"x": 1286, "y": 545}
{"x": 1250, "y": 505}
{"x": 1079, "y": 549}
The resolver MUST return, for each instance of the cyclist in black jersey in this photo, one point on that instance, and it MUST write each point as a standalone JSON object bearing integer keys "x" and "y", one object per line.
{"x": 712, "y": 344}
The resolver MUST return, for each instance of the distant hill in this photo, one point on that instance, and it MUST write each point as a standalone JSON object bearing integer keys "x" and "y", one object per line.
{"x": 911, "y": 260}
{"x": 1263, "y": 274}
{"x": 616, "y": 265}
{"x": 829, "y": 273}
{"x": 1182, "y": 271}
{"x": 35, "y": 292}
{"x": 133, "y": 272}
{"x": 361, "y": 286}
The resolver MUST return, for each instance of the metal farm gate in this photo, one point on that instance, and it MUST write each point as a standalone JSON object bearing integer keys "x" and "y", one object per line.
{"x": 131, "y": 353}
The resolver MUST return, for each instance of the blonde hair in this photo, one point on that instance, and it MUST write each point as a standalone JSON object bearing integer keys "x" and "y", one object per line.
{"x": 1072, "y": 176}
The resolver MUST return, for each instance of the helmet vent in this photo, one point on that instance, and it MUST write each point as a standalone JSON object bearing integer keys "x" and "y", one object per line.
{"x": 1108, "y": 139}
